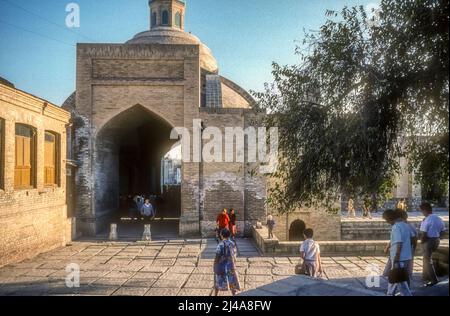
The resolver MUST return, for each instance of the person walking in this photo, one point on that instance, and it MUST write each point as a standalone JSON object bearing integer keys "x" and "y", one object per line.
{"x": 147, "y": 210}
{"x": 367, "y": 203}
{"x": 351, "y": 208}
{"x": 401, "y": 205}
{"x": 225, "y": 274}
{"x": 400, "y": 254}
{"x": 232, "y": 225}
{"x": 139, "y": 201}
{"x": 132, "y": 208}
{"x": 431, "y": 230}
{"x": 222, "y": 222}
{"x": 403, "y": 215}
{"x": 270, "y": 226}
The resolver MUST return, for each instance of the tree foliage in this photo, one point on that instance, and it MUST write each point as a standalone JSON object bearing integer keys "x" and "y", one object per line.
{"x": 362, "y": 93}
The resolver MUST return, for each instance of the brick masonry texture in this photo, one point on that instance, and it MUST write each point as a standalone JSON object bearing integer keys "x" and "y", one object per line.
{"x": 165, "y": 80}
{"x": 34, "y": 220}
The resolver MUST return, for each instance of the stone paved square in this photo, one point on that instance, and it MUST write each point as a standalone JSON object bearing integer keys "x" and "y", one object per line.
{"x": 159, "y": 276}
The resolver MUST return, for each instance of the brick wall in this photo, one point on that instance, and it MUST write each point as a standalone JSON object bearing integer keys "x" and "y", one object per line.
{"x": 34, "y": 220}
{"x": 230, "y": 184}
{"x": 162, "y": 79}
{"x": 326, "y": 226}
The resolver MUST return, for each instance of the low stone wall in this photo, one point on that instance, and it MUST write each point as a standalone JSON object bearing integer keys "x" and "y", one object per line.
{"x": 375, "y": 229}
{"x": 265, "y": 245}
{"x": 274, "y": 247}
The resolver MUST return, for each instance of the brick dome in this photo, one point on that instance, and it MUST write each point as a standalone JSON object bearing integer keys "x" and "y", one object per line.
{"x": 168, "y": 35}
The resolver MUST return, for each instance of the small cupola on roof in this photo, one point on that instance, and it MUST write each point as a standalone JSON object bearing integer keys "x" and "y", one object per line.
{"x": 167, "y": 28}
{"x": 167, "y": 13}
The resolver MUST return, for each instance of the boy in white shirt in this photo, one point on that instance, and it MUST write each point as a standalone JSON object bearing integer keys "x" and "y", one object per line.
{"x": 310, "y": 253}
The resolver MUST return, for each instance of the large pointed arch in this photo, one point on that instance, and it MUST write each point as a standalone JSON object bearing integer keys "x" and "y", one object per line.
{"x": 137, "y": 108}
{"x": 127, "y": 161}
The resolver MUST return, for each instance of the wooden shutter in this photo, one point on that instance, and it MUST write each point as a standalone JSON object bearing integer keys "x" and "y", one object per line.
{"x": 23, "y": 172}
{"x": 50, "y": 159}
{"x": 24, "y": 158}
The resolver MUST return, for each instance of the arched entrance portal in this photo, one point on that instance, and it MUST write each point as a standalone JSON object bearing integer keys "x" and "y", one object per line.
{"x": 129, "y": 161}
{"x": 296, "y": 230}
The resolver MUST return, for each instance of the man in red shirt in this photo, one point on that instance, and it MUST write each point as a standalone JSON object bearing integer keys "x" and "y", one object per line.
{"x": 223, "y": 220}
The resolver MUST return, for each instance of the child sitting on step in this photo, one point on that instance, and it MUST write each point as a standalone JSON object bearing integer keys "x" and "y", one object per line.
{"x": 310, "y": 253}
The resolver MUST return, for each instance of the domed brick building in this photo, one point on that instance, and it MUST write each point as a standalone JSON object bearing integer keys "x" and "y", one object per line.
{"x": 129, "y": 97}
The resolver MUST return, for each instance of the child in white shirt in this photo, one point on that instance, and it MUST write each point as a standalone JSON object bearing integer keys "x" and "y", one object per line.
{"x": 310, "y": 253}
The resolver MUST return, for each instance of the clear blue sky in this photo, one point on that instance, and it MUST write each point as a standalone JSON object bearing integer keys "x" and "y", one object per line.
{"x": 246, "y": 36}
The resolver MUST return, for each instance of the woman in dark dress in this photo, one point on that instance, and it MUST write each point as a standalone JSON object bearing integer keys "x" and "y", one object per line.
{"x": 232, "y": 225}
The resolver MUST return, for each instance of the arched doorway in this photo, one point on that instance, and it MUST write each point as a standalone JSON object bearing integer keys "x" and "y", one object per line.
{"x": 296, "y": 230}
{"x": 128, "y": 158}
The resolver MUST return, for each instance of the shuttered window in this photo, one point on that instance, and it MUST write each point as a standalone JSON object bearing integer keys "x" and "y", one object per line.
{"x": 51, "y": 159}
{"x": 2, "y": 153}
{"x": 25, "y": 157}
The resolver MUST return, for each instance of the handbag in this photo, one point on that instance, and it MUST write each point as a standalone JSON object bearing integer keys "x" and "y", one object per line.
{"x": 398, "y": 275}
{"x": 300, "y": 269}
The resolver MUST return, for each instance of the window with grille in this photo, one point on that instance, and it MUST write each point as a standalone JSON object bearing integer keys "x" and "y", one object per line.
{"x": 25, "y": 156}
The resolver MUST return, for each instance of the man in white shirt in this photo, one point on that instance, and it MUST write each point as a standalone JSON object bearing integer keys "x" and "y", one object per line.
{"x": 310, "y": 253}
{"x": 431, "y": 230}
{"x": 400, "y": 250}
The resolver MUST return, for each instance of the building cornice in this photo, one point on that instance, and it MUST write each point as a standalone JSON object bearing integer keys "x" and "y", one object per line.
{"x": 32, "y": 103}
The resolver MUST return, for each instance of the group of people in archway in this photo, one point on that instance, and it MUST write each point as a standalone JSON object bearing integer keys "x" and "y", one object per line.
{"x": 139, "y": 206}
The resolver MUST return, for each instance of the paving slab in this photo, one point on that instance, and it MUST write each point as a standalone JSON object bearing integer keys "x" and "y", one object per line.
{"x": 131, "y": 291}
{"x": 163, "y": 268}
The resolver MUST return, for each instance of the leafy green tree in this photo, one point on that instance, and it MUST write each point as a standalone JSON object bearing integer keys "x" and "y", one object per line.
{"x": 359, "y": 97}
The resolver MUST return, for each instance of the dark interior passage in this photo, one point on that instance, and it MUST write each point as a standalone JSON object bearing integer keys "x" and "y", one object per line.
{"x": 140, "y": 162}
{"x": 296, "y": 230}
{"x": 130, "y": 149}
